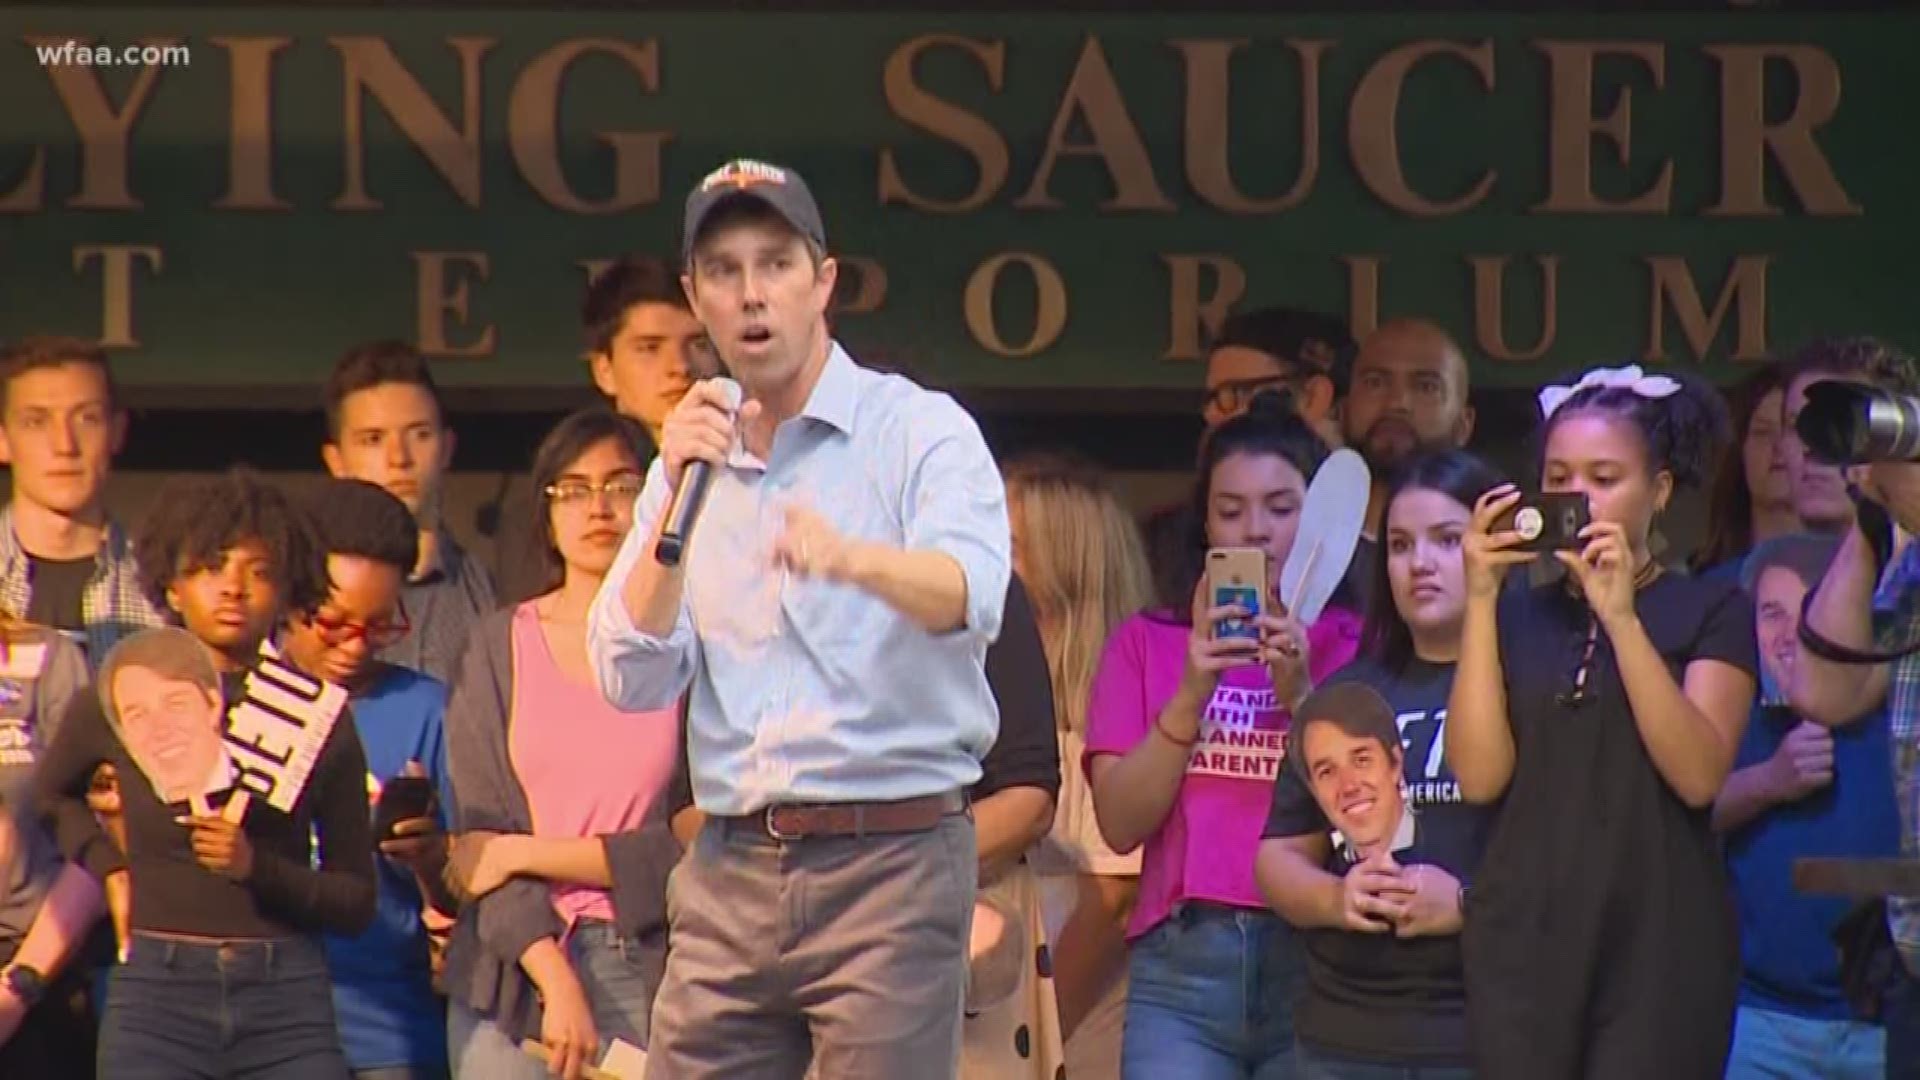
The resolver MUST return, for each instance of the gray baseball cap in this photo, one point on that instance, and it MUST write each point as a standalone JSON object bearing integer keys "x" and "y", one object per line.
{"x": 780, "y": 189}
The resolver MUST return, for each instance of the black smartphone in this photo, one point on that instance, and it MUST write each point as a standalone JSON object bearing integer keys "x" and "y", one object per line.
{"x": 401, "y": 798}
{"x": 1548, "y": 520}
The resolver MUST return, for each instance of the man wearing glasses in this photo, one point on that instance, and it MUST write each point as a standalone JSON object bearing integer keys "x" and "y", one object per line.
{"x": 391, "y": 1025}
{"x": 1303, "y": 353}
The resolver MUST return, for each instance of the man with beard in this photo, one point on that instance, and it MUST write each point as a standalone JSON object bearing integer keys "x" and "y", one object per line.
{"x": 1408, "y": 395}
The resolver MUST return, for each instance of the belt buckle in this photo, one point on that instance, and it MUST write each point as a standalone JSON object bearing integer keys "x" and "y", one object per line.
{"x": 774, "y": 830}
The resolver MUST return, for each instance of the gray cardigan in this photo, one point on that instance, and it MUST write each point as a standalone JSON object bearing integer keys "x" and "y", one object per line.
{"x": 483, "y": 958}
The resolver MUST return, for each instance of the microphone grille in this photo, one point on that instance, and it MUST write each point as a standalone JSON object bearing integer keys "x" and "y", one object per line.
{"x": 731, "y": 390}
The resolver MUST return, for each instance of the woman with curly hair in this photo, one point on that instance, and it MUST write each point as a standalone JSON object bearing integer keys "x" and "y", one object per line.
{"x": 224, "y": 974}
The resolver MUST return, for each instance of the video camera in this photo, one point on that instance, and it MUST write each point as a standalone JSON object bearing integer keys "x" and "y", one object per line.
{"x": 1848, "y": 424}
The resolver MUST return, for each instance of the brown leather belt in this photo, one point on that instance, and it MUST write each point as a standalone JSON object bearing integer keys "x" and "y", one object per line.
{"x": 801, "y": 821}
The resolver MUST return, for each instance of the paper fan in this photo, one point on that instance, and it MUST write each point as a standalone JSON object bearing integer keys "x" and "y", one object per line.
{"x": 1330, "y": 522}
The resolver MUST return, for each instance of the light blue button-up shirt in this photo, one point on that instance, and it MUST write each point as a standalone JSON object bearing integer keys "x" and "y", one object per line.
{"x": 808, "y": 691}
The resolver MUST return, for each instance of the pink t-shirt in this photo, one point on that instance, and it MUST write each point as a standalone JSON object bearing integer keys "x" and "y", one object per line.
{"x": 587, "y": 768}
{"x": 1204, "y": 850}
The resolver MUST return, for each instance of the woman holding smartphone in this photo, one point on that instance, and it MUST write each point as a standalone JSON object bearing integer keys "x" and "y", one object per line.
{"x": 1602, "y": 713}
{"x": 1185, "y": 733}
{"x": 563, "y": 843}
{"x": 1386, "y": 991}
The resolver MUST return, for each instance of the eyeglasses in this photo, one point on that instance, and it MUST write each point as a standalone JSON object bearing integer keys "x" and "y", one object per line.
{"x": 1234, "y": 395}
{"x": 379, "y": 635}
{"x": 624, "y": 489}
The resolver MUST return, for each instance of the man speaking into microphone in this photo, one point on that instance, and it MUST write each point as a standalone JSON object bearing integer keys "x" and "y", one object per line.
{"x": 831, "y": 611}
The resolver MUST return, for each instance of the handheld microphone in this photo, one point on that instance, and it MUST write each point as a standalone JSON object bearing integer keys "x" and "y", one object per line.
{"x": 695, "y": 478}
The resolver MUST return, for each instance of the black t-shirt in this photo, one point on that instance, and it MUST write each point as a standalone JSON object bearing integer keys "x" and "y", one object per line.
{"x": 1375, "y": 997}
{"x": 1601, "y": 940}
{"x": 1027, "y": 752}
{"x": 59, "y": 588}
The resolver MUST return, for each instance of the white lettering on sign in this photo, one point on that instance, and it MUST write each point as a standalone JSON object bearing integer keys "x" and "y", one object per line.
{"x": 275, "y": 733}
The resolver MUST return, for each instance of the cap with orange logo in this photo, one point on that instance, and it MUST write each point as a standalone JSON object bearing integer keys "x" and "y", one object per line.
{"x": 780, "y": 189}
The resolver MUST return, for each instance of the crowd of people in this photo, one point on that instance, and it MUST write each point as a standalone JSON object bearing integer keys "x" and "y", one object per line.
{"x": 919, "y": 763}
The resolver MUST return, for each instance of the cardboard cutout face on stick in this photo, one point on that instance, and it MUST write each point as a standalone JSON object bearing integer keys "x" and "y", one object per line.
{"x": 1347, "y": 745}
{"x": 1356, "y": 781}
{"x": 162, "y": 698}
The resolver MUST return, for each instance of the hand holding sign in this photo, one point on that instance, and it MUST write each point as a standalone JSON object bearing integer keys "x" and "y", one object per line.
{"x": 219, "y": 842}
{"x": 1433, "y": 908}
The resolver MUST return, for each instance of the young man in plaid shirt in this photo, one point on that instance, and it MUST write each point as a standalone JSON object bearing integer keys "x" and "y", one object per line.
{"x": 63, "y": 562}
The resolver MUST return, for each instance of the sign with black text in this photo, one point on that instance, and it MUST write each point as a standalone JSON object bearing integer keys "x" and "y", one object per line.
{"x": 276, "y": 731}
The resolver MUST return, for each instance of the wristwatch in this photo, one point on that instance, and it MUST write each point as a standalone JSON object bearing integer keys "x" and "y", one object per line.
{"x": 26, "y": 983}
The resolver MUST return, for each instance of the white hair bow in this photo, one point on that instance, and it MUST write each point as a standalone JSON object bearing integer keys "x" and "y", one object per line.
{"x": 1627, "y": 378}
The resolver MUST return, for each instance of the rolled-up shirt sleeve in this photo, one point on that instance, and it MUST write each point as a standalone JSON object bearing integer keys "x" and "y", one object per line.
{"x": 1896, "y": 608}
{"x": 637, "y": 671}
{"x": 956, "y": 504}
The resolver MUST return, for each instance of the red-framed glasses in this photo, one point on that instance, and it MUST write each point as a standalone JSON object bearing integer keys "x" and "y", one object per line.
{"x": 379, "y": 635}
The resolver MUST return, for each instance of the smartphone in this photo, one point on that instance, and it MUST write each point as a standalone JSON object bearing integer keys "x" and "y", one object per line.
{"x": 1547, "y": 520}
{"x": 401, "y": 798}
{"x": 1237, "y": 576}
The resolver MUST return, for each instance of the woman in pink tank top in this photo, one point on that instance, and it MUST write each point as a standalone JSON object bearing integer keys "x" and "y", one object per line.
{"x": 559, "y": 795}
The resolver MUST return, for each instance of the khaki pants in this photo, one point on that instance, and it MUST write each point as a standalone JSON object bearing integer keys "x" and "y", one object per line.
{"x": 848, "y": 952}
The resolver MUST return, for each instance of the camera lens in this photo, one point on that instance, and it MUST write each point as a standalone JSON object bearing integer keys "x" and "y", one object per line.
{"x": 1845, "y": 423}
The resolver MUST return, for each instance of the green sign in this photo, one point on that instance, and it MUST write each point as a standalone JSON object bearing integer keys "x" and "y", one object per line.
{"x": 233, "y": 197}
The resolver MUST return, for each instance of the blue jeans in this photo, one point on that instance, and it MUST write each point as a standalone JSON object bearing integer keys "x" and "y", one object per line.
{"x": 609, "y": 969}
{"x": 1773, "y": 1045}
{"x": 1210, "y": 996}
{"x": 1314, "y": 1065}
{"x": 242, "y": 1010}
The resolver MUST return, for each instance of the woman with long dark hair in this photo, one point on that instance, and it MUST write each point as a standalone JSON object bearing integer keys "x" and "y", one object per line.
{"x": 1385, "y": 983}
{"x": 563, "y": 847}
{"x": 1184, "y": 737}
{"x": 1602, "y": 714}
{"x": 1751, "y": 500}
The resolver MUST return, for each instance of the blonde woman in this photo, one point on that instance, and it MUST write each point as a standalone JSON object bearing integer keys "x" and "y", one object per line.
{"x": 1081, "y": 557}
